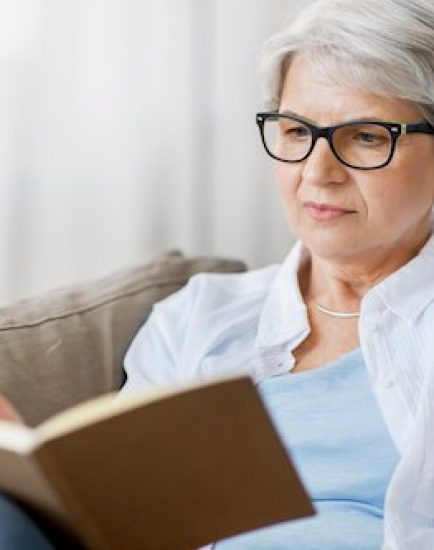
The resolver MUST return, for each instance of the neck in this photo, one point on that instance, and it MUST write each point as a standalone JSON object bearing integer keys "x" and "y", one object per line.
{"x": 339, "y": 285}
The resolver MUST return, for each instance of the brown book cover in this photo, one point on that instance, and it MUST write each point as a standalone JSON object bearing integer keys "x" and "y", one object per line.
{"x": 171, "y": 471}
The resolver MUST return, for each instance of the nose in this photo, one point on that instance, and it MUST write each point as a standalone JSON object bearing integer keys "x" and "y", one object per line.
{"x": 322, "y": 167}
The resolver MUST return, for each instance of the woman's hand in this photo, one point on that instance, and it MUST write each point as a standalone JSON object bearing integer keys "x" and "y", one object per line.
{"x": 8, "y": 412}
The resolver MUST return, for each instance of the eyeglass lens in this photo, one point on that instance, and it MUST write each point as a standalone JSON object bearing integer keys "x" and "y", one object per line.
{"x": 360, "y": 145}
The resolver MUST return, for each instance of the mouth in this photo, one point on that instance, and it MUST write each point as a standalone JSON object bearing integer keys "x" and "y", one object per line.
{"x": 322, "y": 211}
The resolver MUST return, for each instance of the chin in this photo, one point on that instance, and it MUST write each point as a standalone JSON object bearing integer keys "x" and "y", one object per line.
{"x": 331, "y": 247}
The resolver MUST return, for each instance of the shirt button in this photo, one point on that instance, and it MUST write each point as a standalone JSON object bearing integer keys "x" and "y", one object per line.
{"x": 387, "y": 381}
{"x": 375, "y": 320}
{"x": 375, "y": 315}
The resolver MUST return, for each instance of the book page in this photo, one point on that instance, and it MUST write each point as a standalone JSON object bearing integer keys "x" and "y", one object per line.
{"x": 16, "y": 437}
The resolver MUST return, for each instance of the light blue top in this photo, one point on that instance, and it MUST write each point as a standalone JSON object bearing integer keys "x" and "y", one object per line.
{"x": 330, "y": 422}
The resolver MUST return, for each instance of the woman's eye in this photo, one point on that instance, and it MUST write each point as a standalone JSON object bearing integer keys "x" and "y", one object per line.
{"x": 369, "y": 139}
{"x": 297, "y": 132}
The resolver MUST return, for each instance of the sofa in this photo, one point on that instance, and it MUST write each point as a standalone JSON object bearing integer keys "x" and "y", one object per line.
{"x": 67, "y": 345}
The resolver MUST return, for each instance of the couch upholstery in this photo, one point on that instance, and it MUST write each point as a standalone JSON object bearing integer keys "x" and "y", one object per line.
{"x": 67, "y": 345}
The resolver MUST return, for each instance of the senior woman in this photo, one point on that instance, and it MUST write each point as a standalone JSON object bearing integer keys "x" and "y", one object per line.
{"x": 338, "y": 337}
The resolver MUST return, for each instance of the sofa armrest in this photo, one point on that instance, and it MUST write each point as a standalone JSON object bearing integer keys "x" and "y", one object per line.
{"x": 67, "y": 345}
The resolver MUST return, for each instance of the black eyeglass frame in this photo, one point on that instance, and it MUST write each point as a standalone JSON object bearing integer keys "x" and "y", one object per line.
{"x": 395, "y": 129}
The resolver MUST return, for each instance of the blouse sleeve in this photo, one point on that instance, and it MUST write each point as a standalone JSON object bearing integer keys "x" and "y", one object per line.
{"x": 153, "y": 358}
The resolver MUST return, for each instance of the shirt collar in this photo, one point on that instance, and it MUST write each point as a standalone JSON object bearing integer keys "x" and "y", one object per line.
{"x": 284, "y": 315}
{"x": 408, "y": 291}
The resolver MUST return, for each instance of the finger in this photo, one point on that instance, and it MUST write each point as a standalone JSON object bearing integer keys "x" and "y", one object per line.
{"x": 8, "y": 412}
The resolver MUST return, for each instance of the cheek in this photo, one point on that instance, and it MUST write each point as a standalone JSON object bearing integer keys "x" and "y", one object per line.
{"x": 411, "y": 177}
{"x": 403, "y": 196}
{"x": 286, "y": 177}
{"x": 280, "y": 174}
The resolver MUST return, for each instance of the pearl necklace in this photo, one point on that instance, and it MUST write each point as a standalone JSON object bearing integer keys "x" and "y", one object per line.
{"x": 340, "y": 314}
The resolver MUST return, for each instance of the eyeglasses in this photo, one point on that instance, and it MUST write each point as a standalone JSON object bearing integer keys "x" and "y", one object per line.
{"x": 365, "y": 145}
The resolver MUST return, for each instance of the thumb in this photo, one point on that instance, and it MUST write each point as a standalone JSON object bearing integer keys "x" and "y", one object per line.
{"x": 8, "y": 412}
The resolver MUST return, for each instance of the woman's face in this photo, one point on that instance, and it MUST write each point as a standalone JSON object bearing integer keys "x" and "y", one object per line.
{"x": 383, "y": 211}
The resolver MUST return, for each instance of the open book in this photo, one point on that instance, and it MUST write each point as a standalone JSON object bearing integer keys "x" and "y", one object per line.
{"x": 172, "y": 469}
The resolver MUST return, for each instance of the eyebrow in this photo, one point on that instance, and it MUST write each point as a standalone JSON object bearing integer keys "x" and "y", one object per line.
{"x": 355, "y": 119}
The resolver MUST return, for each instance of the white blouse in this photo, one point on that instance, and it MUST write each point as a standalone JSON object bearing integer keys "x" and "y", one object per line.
{"x": 221, "y": 324}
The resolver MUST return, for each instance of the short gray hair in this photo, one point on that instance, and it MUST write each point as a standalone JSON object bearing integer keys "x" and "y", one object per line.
{"x": 380, "y": 46}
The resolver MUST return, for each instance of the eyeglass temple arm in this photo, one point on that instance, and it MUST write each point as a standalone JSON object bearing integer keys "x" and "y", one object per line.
{"x": 419, "y": 128}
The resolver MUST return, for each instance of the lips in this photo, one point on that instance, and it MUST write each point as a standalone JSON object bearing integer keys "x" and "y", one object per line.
{"x": 323, "y": 211}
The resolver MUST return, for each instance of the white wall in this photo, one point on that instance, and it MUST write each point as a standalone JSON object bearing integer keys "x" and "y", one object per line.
{"x": 127, "y": 127}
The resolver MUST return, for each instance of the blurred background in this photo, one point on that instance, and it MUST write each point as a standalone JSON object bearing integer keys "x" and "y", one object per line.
{"x": 127, "y": 128}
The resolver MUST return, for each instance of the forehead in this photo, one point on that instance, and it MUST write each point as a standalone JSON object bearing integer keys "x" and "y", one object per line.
{"x": 320, "y": 99}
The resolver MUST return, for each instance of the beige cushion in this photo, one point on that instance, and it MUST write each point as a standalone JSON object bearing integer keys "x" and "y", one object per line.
{"x": 68, "y": 345}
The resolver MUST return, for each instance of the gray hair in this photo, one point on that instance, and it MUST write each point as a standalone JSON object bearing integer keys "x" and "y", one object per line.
{"x": 381, "y": 46}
